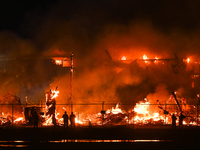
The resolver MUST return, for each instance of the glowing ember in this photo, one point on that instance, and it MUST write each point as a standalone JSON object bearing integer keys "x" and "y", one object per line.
{"x": 18, "y": 119}
{"x": 156, "y": 59}
{"x": 143, "y": 115}
{"x": 48, "y": 121}
{"x": 188, "y": 60}
{"x": 54, "y": 94}
{"x": 58, "y": 62}
{"x": 78, "y": 121}
{"x": 115, "y": 110}
{"x": 145, "y": 58}
{"x": 123, "y": 58}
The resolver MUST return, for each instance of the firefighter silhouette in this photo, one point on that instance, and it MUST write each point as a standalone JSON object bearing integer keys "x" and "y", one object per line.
{"x": 72, "y": 120}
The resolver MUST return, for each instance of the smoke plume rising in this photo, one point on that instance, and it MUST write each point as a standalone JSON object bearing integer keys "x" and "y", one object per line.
{"x": 87, "y": 29}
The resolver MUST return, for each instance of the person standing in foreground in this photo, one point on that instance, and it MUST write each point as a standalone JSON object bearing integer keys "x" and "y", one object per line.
{"x": 65, "y": 119}
{"x": 174, "y": 121}
{"x": 181, "y": 117}
{"x": 72, "y": 120}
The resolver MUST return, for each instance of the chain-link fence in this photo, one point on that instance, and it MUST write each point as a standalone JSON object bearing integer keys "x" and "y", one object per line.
{"x": 103, "y": 113}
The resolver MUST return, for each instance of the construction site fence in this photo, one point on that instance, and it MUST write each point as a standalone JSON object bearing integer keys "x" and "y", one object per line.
{"x": 190, "y": 111}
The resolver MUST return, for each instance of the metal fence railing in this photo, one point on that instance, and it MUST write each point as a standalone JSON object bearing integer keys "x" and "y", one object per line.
{"x": 191, "y": 112}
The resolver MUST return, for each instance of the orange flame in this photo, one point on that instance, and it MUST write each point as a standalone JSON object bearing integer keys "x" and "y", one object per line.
{"x": 54, "y": 94}
{"x": 145, "y": 58}
{"x": 188, "y": 60}
{"x": 123, "y": 58}
{"x": 115, "y": 110}
{"x": 142, "y": 108}
{"x": 144, "y": 116}
{"x": 18, "y": 119}
{"x": 156, "y": 59}
{"x": 58, "y": 62}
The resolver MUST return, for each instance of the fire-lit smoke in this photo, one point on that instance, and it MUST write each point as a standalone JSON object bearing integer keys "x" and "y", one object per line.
{"x": 87, "y": 32}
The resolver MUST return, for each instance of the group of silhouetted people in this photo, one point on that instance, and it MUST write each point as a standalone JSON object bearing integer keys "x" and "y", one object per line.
{"x": 65, "y": 117}
{"x": 174, "y": 118}
{"x": 71, "y": 119}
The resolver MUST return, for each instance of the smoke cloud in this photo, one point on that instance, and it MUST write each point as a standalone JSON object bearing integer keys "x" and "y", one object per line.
{"x": 87, "y": 29}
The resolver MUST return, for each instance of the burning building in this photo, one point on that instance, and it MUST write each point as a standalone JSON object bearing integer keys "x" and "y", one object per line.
{"x": 140, "y": 61}
{"x": 141, "y": 77}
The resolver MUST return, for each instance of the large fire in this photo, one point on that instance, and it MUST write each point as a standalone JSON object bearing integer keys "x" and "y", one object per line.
{"x": 143, "y": 112}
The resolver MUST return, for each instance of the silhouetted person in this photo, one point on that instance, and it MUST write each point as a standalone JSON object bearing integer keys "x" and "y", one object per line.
{"x": 174, "y": 121}
{"x": 181, "y": 117}
{"x": 35, "y": 120}
{"x": 72, "y": 120}
{"x": 65, "y": 119}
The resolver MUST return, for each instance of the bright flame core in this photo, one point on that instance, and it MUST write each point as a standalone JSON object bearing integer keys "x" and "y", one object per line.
{"x": 123, "y": 58}
{"x": 142, "y": 108}
{"x": 58, "y": 62}
{"x": 54, "y": 94}
{"x": 188, "y": 60}
{"x": 145, "y": 58}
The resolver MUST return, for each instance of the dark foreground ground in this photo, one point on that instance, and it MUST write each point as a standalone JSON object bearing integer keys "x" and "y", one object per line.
{"x": 120, "y": 137}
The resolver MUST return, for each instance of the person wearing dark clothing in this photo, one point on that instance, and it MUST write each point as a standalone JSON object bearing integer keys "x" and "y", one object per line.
{"x": 72, "y": 119}
{"x": 174, "y": 121}
{"x": 65, "y": 119}
{"x": 35, "y": 119}
{"x": 181, "y": 117}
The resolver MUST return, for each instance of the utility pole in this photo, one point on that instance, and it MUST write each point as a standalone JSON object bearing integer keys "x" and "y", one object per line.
{"x": 71, "y": 82}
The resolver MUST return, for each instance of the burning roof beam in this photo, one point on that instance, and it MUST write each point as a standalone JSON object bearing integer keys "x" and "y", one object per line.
{"x": 177, "y": 101}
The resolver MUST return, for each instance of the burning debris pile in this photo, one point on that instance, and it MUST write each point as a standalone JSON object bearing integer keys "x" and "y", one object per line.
{"x": 143, "y": 113}
{"x": 146, "y": 113}
{"x": 11, "y": 110}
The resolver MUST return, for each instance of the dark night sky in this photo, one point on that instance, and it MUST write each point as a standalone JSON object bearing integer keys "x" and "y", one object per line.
{"x": 45, "y": 23}
{"x": 14, "y": 15}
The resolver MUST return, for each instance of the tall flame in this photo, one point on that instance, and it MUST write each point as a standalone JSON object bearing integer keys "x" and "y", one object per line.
{"x": 54, "y": 94}
{"x": 188, "y": 60}
{"x": 115, "y": 110}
